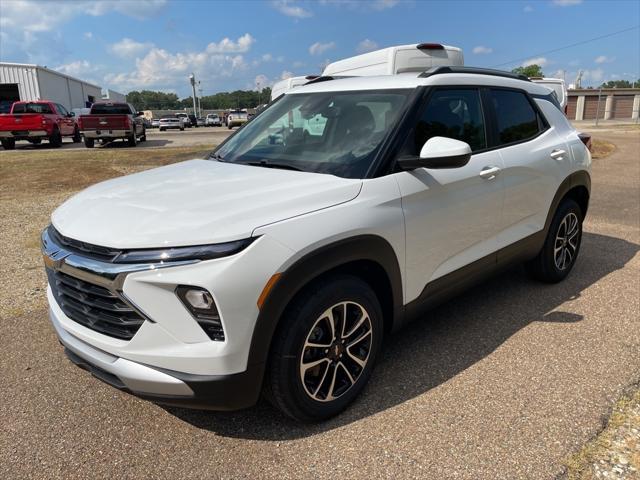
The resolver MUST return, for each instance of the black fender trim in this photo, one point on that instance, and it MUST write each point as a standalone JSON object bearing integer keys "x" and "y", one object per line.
{"x": 297, "y": 276}
{"x": 581, "y": 178}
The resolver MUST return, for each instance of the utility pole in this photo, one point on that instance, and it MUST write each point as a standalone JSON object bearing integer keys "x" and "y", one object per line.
{"x": 192, "y": 80}
{"x": 199, "y": 101}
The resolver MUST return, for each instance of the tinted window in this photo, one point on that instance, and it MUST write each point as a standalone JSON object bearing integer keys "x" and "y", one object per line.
{"x": 454, "y": 114}
{"x": 61, "y": 109}
{"x": 110, "y": 109}
{"x": 32, "y": 108}
{"x": 517, "y": 120}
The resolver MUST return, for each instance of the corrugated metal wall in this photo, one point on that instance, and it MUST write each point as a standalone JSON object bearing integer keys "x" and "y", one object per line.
{"x": 26, "y": 77}
{"x": 36, "y": 83}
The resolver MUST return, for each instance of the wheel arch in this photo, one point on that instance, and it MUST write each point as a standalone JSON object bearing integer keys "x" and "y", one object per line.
{"x": 369, "y": 257}
{"x": 576, "y": 186}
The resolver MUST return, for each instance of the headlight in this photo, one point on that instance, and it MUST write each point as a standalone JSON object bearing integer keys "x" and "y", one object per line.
{"x": 176, "y": 254}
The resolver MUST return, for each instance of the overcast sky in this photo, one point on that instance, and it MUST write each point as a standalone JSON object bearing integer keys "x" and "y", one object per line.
{"x": 156, "y": 44}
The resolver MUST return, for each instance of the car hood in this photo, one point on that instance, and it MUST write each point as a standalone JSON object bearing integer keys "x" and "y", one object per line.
{"x": 195, "y": 202}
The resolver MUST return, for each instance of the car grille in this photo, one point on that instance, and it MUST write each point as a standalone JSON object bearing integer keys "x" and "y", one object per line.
{"x": 94, "y": 306}
{"x": 83, "y": 248}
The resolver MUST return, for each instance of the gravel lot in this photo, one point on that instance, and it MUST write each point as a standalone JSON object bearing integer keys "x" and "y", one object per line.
{"x": 507, "y": 381}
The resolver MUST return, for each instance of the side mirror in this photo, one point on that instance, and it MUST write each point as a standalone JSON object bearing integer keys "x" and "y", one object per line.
{"x": 140, "y": 114}
{"x": 72, "y": 114}
{"x": 439, "y": 152}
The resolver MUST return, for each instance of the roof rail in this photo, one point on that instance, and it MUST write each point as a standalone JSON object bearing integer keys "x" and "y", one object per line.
{"x": 479, "y": 71}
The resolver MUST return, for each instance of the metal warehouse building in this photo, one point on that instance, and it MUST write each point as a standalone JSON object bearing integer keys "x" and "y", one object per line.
{"x": 20, "y": 81}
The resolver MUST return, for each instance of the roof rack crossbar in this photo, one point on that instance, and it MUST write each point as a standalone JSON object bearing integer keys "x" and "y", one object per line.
{"x": 475, "y": 70}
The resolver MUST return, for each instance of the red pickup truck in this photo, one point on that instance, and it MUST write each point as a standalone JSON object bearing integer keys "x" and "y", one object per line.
{"x": 109, "y": 121}
{"x": 35, "y": 121}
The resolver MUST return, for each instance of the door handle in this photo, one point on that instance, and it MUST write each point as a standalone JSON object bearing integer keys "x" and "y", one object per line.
{"x": 489, "y": 172}
{"x": 557, "y": 154}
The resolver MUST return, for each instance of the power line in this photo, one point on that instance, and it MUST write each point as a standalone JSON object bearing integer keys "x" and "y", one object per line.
{"x": 566, "y": 46}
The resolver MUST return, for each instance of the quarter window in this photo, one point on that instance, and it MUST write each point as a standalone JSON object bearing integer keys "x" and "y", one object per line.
{"x": 454, "y": 113}
{"x": 516, "y": 118}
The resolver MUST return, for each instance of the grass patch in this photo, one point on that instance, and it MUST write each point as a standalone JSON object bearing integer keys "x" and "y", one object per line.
{"x": 51, "y": 171}
{"x": 601, "y": 149}
{"x": 614, "y": 441}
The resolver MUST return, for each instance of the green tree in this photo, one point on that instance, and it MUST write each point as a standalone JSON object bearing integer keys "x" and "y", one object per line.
{"x": 151, "y": 100}
{"x": 529, "y": 71}
{"x": 621, "y": 84}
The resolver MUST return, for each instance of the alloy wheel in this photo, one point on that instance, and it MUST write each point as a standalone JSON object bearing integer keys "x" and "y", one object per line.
{"x": 566, "y": 243}
{"x": 336, "y": 351}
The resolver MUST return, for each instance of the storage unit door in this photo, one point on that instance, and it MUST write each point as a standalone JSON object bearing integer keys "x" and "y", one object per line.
{"x": 622, "y": 106}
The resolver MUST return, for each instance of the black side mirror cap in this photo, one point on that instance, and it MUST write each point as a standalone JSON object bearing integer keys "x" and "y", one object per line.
{"x": 411, "y": 162}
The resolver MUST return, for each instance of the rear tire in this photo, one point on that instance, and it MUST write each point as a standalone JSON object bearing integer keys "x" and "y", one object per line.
{"x": 561, "y": 247}
{"x": 55, "y": 140}
{"x": 182, "y": 129}
{"x": 8, "y": 144}
{"x": 313, "y": 331}
{"x": 132, "y": 140}
{"x": 77, "y": 138}
{"x": 89, "y": 142}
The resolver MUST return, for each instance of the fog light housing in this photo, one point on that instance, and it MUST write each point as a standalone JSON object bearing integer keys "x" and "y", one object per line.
{"x": 203, "y": 309}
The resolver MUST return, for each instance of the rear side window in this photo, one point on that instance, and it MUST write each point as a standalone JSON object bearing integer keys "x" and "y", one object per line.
{"x": 516, "y": 118}
{"x": 110, "y": 109}
{"x": 454, "y": 113}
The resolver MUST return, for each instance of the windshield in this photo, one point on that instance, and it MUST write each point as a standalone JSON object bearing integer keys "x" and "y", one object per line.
{"x": 327, "y": 132}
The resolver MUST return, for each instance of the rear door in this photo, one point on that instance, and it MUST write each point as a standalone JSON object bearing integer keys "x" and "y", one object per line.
{"x": 452, "y": 216}
{"x": 534, "y": 157}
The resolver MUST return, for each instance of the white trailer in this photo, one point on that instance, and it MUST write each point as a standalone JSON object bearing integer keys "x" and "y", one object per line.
{"x": 416, "y": 57}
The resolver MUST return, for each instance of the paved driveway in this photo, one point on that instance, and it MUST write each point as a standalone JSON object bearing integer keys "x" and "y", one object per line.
{"x": 504, "y": 382}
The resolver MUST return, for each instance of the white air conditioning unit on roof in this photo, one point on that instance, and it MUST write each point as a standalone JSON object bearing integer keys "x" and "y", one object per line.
{"x": 417, "y": 57}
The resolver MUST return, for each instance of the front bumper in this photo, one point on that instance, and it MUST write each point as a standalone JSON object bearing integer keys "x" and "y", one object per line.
{"x": 215, "y": 392}
{"x": 105, "y": 133}
{"x": 19, "y": 134}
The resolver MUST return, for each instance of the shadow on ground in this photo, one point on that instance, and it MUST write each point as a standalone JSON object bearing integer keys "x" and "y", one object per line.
{"x": 447, "y": 341}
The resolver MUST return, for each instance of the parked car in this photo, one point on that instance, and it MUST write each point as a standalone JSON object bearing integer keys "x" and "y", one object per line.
{"x": 169, "y": 122}
{"x": 155, "y": 123}
{"x": 236, "y": 118}
{"x": 37, "y": 121}
{"x": 200, "y": 122}
{"x": 213, "y": 120}
{"x": 184, "y": 118}
{"x": 285, "y": 264}
{"x": 108, "y": 121}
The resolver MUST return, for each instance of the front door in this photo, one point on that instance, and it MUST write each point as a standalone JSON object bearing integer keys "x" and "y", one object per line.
{"x": 452, "y": 216}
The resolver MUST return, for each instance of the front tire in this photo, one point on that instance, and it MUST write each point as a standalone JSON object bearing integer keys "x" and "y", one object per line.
{"x": 561, "y": 247}
{"x": 325, "y": 348}
{"x": 143, "y": 137}
{"x": 132, "y": 140}
{"x": 77, "y": 138}
{"x": 89, "y": 142}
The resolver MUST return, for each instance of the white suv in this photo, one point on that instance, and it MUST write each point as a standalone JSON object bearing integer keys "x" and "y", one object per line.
{"x": 343, "y": 210}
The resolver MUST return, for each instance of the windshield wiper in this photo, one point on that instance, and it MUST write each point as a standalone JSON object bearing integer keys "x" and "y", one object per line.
{"x": 217, "y": 156}
{"x": 269, "y": 164}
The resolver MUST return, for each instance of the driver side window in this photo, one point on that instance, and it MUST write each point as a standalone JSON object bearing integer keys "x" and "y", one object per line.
{"x": 452, "y": 113}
